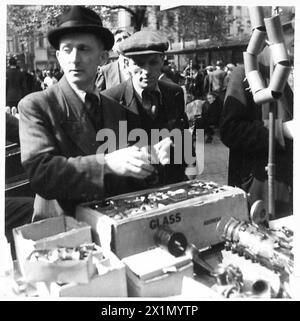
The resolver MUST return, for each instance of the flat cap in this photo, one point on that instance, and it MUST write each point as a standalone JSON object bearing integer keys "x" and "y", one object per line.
{"x": 144, "y": 42}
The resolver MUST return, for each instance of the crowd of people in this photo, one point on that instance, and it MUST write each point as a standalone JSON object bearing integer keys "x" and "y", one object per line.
{"x": 204, "y": 88}
{"x": 61, "y": 123}
{"x": 21, "y": 82}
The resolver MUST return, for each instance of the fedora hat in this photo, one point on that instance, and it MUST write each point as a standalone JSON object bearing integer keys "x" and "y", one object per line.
{"x": 80, "y": 19}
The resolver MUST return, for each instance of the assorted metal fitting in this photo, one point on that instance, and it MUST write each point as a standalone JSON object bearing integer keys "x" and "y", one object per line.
{"x": 271, "y": 248}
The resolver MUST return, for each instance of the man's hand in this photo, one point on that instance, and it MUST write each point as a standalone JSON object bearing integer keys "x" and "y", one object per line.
{"x": 161, "y": 151}
{"x": 289, "y": 129}
{"x": 130, "y": 161}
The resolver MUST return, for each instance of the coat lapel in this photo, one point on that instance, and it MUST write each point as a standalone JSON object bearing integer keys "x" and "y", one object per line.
{"x": 77, "y": 125}
{"x": 113, "y": 74}
{"x": 112, "y": 114}
{"x": 129, "y": 100}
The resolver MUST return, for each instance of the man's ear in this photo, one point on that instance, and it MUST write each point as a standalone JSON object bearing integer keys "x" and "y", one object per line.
{"x": 57, "y": 55}
{"x": 103, "y": 58}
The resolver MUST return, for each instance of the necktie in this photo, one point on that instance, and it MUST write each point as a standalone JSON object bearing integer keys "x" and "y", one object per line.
{"x": 93, "y": 109}
{"x": 150, "y": 100}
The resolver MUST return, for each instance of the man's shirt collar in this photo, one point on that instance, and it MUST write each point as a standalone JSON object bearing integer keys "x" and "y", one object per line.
{"x": 81, "y": 93}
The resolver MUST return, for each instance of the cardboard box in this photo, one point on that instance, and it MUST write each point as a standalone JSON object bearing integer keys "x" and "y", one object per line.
{"x": 156, "y": 273}
{"x": 201, "y": 219}
{"x": 62, "y": 231}
{"x": 109, "y": 281}
{"x": 66, "y": 271}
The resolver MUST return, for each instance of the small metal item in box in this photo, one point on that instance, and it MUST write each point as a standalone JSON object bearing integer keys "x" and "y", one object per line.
{"x": 60, "y": 231}
{"x": 60, "y": 264}
{"x": 108, "y": 281}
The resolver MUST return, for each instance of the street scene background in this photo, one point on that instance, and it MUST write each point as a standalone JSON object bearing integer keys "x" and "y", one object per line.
{"x": 202, "y": 40}
{"x": 200, "y": 37}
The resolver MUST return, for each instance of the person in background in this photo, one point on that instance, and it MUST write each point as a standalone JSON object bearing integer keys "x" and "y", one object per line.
{"x": 217, "y": 80}
{"x": 207, "y": 80}
{"x": 15, "y": 84}
{"x": 211, "y": 114}
{"x": 166, "y": 73}
{"x": 197, "y": 82}
{"x": 193, "y": 108}
{"x": 177, "y": 77}
{"x": 228, "y": 69}
{"x": 244, "y": 130}
{"x": 181, "y": 82}
{"x": 115, "y": 72}
{"x": 29, "y": 79}
{"x": 38, "y": 84}
{"x": 49, "y": 80}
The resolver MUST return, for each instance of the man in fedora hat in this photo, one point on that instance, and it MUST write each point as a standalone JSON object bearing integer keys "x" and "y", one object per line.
{"x": 151, "y": 103}
{"x": 58, "y": 127}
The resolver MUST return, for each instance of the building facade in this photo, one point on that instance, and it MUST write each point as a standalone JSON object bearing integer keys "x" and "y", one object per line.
{"x": 35, "y": 53}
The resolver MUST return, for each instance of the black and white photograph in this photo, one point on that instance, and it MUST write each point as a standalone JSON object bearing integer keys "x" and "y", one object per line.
{"x": 149, "y": 154}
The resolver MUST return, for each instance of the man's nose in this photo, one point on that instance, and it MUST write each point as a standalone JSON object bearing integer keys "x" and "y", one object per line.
{"x": 74, "y": 55}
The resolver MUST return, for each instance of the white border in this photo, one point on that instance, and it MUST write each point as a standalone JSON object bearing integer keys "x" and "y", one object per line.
{"x": 167, "y": 3}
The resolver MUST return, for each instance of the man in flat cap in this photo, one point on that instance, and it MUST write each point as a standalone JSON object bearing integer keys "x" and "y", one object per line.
{"x": 58, "y": 126}
{"x": 152, "y": 104}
